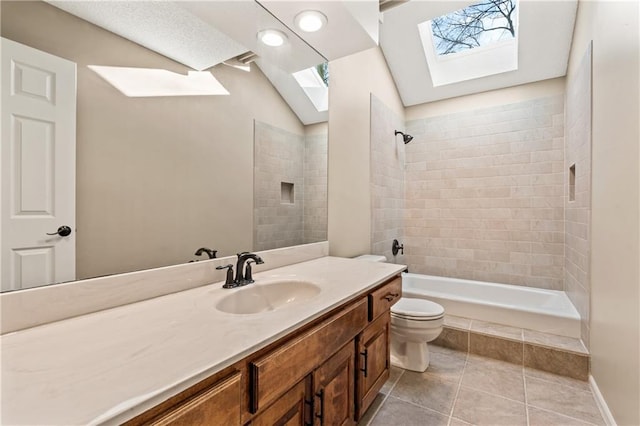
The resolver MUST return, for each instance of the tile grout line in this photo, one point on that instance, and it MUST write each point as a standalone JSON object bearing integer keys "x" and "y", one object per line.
{"x": 455, "y": 398}
{"x": 506, "y": 398}
{"x": 424, "y": 408}
{"x": 524, "y": 385}
{"x": 586, "y": 422}
{"x": 375, "y": 413}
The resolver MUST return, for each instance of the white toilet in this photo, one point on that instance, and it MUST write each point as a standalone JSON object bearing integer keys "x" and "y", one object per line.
{"x": 414, "y": 323}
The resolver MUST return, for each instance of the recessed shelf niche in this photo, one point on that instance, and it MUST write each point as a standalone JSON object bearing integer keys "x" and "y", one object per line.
{"x": 286, "y": 193}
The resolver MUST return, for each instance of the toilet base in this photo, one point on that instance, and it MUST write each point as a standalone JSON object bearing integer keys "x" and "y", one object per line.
{"x": 412, "y": 356}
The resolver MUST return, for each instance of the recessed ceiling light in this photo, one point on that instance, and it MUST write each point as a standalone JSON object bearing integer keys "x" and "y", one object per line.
{"x": 310, "y": 20}
{"x": 273, "y": 38}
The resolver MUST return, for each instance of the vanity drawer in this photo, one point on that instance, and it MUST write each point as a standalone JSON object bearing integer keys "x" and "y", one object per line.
{"x": 220, "y": 404}
{"x": 272, "y": 374}
{"x": 383, "y": 298}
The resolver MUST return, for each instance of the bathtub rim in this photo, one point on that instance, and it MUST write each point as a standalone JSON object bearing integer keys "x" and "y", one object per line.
{"x": 572, "y": 313}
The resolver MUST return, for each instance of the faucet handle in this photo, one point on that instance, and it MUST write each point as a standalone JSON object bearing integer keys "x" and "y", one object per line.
{"x": 397, "y": 247}
{"x": 228, "y": 283}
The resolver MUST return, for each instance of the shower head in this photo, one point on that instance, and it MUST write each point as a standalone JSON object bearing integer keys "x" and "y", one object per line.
{"x": 406, "y": 138}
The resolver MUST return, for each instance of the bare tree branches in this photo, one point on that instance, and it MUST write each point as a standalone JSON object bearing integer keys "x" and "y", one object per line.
{"x": 469, "y": 27}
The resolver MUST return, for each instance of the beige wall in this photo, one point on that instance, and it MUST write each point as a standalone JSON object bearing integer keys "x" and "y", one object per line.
{"x": 578, "y": 210}
{"x": 387, "y": 181}
{"x": 615, "y": 233}
{"x": 157, "y": 177}
{"x": 353, "y": 79}
{"x": 509, "y": 95}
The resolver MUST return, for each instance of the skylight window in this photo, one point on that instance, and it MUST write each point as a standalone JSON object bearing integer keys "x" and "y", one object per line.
{"x": 314, "y": 82}
{"x": 477, "y": 41}
{"x": 153, "y": 82}
{"x": 478, "y": 25}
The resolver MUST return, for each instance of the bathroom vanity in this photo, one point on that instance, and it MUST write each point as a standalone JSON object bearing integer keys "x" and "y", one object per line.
{"x": 179, "y": 360}
{"x": 327, "y": 372}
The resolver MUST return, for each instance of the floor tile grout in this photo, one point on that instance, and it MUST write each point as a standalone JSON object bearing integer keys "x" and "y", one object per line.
{"x": 559, "y": 384}
{"x": 422, "y": 407}
{"x": 495, "y": 395}
{"x": 524, "y": 385}
{"x": 523, "y": 373}
{"x": 455, "y": 398}
{"x": 386, "y": 396}
{"x": 562, "y": 415}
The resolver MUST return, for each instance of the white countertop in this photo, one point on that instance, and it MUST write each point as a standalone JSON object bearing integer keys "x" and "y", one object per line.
{"x": 109, "y": 366}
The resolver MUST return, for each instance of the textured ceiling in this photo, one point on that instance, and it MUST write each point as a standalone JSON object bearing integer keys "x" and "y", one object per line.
{"x": 161, "y": 26}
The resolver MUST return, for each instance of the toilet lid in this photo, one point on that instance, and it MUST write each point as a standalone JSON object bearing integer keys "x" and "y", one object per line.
{"x": 416, "y": 309}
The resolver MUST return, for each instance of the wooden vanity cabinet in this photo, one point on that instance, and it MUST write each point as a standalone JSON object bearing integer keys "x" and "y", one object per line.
{"x": 327, "y": 373}
{"x": 324, "y": 397}
{"x": 220, "y": 404}
{"x": 374, "y": 357}
{"x": 294, "y": 408}
{"x": 334, "y": 387}
{"x": 382, "y": 299}
{"x": 217, "y": 403}
{"x": 374, "y": 361}
{"x": 271, "y": 374}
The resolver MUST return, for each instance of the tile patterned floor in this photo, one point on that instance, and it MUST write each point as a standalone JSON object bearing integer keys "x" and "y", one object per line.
{"x": 460, "y": 389}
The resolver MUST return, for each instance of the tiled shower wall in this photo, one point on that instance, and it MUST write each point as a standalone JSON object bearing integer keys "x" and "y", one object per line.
{"x": 387, "y": 180}
{"x": 315, "y": 184}
{"x": 278, "y": 158}
{"x": 484, "y": 194}
{"x": 578, "y": 202}
{"x": 284, "y": 157}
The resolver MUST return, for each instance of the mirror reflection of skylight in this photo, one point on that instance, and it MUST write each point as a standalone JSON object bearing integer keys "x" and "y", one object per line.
{"x": 314, "y": 82}
{"x": 152, "y": 82}
{"x": 477, "y": 41}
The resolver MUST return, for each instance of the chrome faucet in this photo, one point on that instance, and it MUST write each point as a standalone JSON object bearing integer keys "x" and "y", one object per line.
{"x": 241, "y": 279}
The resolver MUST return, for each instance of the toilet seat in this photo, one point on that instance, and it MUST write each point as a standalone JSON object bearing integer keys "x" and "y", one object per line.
{"x": 417, "y": 310}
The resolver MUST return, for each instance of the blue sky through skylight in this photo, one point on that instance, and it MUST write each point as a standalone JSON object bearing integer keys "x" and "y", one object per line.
{"x": 481, "y": 24}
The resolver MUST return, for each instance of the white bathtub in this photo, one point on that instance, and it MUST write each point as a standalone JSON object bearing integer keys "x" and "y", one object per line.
{"x": 543, "y": 310}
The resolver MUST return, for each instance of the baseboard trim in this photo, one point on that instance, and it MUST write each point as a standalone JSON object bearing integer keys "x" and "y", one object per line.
{"x": 602, "y": 404}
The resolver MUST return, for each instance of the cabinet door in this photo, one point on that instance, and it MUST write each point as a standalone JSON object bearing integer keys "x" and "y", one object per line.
{"x": 291, "y": 409}
{"x": 334, "y": 389}
{"x": 301, "y": 355}
{"x": 373, "y": 361}
{"x": 218, "y": 405}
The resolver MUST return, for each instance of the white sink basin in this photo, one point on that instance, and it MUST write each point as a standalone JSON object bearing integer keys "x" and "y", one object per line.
{"x": 264, "y": 297}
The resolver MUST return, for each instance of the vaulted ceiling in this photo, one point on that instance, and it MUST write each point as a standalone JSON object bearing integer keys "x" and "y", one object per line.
{"x": 202, "y": 34}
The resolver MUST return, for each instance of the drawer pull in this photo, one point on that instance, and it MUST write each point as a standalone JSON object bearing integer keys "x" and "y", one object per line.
{"x": 365, "y": 354}
{"x": 391, "y": 296}
{"x": 320, "y": 415}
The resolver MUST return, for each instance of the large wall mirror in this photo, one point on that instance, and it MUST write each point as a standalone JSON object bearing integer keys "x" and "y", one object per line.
{"x": 157, "y": 177}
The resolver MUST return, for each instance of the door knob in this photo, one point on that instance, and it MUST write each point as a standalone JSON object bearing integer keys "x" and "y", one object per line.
{"x": 63, "y": 231}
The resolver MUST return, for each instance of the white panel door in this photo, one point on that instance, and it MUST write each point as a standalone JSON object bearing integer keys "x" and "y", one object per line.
{"x": 37, "y": 167}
